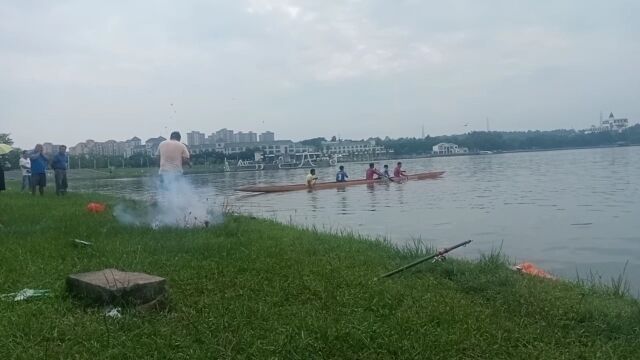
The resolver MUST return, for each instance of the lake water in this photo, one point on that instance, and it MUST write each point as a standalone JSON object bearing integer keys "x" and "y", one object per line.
{"x": 567, "y": 211}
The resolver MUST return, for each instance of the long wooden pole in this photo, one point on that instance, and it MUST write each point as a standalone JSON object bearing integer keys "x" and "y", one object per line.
{"x": 419, "y": 261}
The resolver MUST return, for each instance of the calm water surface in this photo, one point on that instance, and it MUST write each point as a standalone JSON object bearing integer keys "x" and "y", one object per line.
{"x": 568, "y": 211}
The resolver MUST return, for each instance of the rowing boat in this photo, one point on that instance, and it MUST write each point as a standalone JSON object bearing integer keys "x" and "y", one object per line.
{"x": 337, "y": 185}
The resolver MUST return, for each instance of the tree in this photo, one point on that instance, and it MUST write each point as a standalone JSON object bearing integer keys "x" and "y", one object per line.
{"x": 315, "y": 142}
{"x": 6, "y": 139}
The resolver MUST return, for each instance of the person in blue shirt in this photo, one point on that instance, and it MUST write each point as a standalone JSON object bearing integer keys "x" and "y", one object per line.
{"x": 385, "y": 171}
{"x": 39, "y": 164}
{"x": 59, "y": 165}
{"x": 341, "y": 176}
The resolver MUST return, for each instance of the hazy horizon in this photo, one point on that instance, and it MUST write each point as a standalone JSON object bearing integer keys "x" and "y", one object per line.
{"x": 72, "y": 71}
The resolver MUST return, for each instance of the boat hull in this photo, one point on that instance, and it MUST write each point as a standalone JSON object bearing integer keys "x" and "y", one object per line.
{"x": 338, "y": 185}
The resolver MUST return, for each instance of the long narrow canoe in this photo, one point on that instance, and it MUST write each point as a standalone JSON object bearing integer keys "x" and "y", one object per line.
{"x": 334, "y": 185}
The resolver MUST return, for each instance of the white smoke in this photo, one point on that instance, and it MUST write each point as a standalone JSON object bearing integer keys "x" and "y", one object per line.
{"x": 176, "y": 204}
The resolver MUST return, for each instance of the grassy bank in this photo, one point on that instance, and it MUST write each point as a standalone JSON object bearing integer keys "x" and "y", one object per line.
{"x": 251, "y": 288}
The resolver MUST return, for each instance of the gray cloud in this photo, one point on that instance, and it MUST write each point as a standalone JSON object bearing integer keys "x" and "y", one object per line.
{"x": 77, "y": 69}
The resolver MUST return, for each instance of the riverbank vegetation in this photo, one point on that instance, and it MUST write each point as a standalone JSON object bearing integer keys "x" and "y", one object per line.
{"x": 515, "y": 140}
{"x": 250, "y": 288}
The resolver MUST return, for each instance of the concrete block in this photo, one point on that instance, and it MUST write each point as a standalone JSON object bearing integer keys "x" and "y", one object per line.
{"x": 114, "y": 287}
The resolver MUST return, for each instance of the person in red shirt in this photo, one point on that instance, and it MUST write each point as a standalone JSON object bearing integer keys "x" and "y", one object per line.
{"x": 398, "y": 172}
{"x": 372, "y": 172}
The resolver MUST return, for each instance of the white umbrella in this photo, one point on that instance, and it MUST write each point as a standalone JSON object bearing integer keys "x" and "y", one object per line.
{"x": 5, "y": 149}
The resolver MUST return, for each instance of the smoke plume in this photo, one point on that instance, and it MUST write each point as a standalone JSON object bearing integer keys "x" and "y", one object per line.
{"x": 175, "y": 203}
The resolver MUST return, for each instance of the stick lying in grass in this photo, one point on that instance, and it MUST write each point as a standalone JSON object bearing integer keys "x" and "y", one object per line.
{"x": 436, "y": 255}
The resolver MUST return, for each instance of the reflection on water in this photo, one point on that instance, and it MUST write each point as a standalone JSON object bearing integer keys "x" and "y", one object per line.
{"x": 565, "y": 210}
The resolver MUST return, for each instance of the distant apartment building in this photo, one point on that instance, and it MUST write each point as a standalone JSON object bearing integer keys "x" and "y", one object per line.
{"x": 610, "y": 124}
{"x": 195, "y": 138}
{"x": 230, "y": 136}
{"x": 134, "y": 146}
{"x": 223, "y": 136}
{"x": 242, "y": 137}
{"x": 267, "y": 136}
{"x": 151, "y": 145}
{"x": 349, "y": 147}
{"x": 449, "y": 149}
{"x": 109, "y": 148}
{"x": 49, "y": 148}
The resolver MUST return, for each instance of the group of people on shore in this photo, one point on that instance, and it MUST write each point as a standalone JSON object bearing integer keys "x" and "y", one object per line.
{"x": 34, "y": 167}
{"x": 371, "y": 174}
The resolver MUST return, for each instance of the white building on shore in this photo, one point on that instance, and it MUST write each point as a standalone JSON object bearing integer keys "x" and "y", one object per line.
{"x": 276, "y": 147}
{"x": 348, "y": 147}
{"x": 449, "y": 149}
{"x": 609, "y": 124}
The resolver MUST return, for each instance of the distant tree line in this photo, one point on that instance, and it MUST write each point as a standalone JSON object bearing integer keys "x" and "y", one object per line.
{"x": 514, "y": 140}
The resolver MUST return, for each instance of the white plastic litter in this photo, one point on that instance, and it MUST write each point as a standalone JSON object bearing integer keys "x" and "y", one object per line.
{"x": 25, "y": 294}
{"x": 114, "y": 313}
{"x": 82, "y": 242}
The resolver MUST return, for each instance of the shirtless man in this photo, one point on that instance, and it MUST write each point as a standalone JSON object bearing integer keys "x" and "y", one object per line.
{"x": 173, "y": 154}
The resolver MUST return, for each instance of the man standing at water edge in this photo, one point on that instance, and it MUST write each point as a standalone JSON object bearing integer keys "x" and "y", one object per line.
{"x": 25, "y": 167}
{"x": 59, "y": 165}
{"x": 173, "y": 154}
{"x": 39, "y": 164}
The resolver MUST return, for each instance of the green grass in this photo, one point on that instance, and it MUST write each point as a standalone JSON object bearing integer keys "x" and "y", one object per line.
{"x": 251, "y": 288}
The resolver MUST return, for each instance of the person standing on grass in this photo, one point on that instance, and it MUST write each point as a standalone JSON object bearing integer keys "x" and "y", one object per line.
{"x": 60, "y": 164}
{"x": 173, "y": 154}
{"x": 39, "y": 164}
{"x": 25, "y": 167}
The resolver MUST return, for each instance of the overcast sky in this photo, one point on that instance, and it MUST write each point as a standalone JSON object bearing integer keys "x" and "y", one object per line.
{"x": 73, "y": 70}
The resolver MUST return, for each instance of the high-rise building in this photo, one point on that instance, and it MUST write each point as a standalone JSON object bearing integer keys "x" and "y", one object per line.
{"x": 195, "y": 138}
{"x": 267, "y": 136}
{"x": 244, "y": 137}
{"x": 224, "y": 135}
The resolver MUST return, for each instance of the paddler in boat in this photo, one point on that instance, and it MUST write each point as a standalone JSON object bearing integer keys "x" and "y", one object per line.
{"x": 311, "y": 178}
{"x": 385, "y": 171}
{"x": 341, "y": 176}
{"x": 373, "y": 173}
{"x": 398, "y": 172}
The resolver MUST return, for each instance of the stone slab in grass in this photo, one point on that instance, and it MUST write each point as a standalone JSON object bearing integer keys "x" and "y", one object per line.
{"x": 112, "y": 286}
